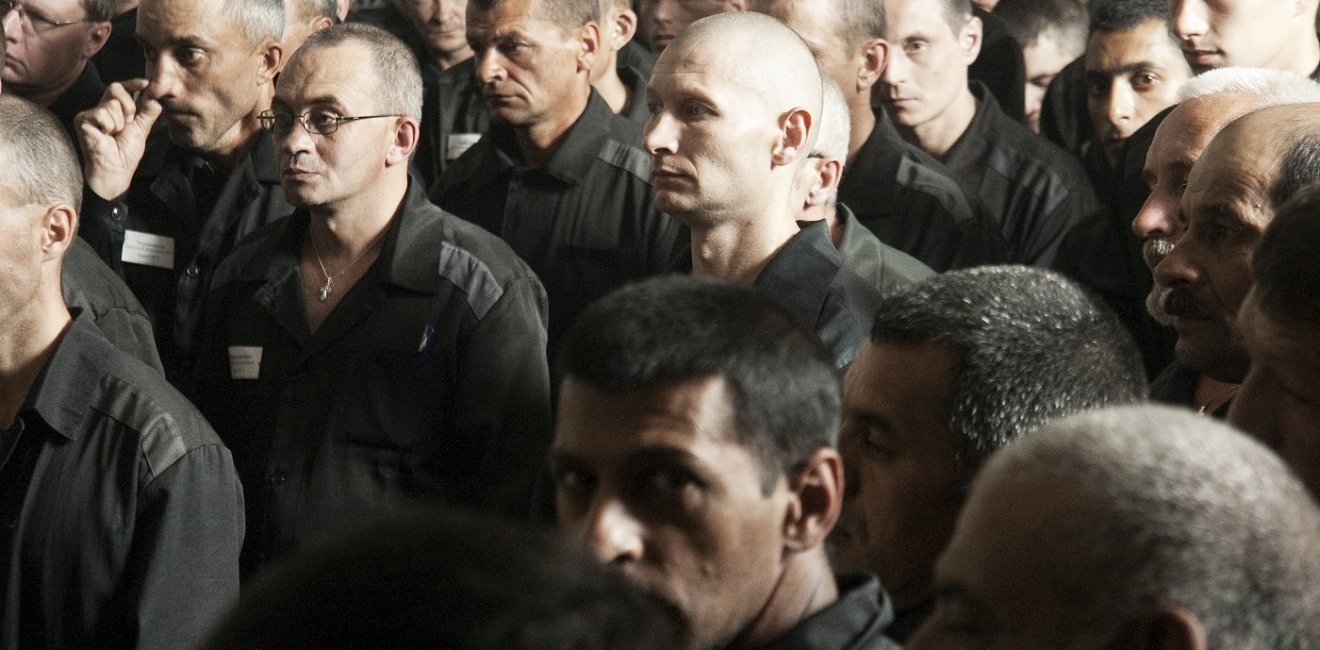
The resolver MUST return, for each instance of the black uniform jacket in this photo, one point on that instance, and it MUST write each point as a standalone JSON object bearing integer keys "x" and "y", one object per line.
{"x": 123, "y": 513}
{"x": 427, "y": 382}
{"x": 584, "y": 221}
{"x": 160, "y": 209}
{"x": 855, "y": 621}
{"x": 913, "y": 203}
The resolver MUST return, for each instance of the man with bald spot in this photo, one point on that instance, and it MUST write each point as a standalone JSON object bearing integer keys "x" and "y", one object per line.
{"x": 735, "y": 104}
{"x": 1209, "y": 103}
{"x": 1245, "y": 175}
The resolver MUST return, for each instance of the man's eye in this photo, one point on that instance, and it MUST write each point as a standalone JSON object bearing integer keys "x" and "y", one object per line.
{"x": 190, "y": 55}
{"x": 1146, "y": 80}
{"x": 323, "y": 119}
{"x": 695, "y": 110}
{"x": 670, "y": 481}
{"x": 574, "y": 482}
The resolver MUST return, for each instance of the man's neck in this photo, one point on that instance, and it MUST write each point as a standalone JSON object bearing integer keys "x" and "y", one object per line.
{"x": 737, "y": 250}
{"x": 610, "y": 87}
{"x": 447, "y": 60}
{"x": 938, "y": 136}
{"x": 806, "y": 587}
{"x": 26, "y": 344}
{"x": 1304, "y": 55}
{"x": 538, "y": 141}
{"x": 863, "y": 122}
{"x": 349, "y": 227}
{"x": 46, "y": 95}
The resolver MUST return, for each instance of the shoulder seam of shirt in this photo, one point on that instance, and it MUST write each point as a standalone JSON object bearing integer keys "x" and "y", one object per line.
{"x": 469, "y": 273}
{"x": 628, "y": 158}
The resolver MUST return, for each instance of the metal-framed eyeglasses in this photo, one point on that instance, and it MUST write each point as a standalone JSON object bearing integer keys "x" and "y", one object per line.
{"x": 33, "y": 21}
{"x": 318, "y": 122}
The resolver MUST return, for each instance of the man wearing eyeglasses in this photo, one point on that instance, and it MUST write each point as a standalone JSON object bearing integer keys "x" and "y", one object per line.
{"x": 163, "y": 211}
{"x": 48, "y": 45}
{"x": 371, "y": 351}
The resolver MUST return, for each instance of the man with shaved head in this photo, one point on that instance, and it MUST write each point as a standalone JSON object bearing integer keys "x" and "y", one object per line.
{"x": 735, "y": 104}
{"x": 1209, "y": 102}
{"x": 1246, "y": 174}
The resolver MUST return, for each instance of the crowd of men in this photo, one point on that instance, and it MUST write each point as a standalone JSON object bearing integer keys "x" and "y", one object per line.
{"x": 658, "y": 324}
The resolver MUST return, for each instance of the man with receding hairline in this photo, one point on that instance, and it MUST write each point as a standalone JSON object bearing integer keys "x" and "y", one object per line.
{"x": 163, "y": 211}
{"x": 735, "y": 101}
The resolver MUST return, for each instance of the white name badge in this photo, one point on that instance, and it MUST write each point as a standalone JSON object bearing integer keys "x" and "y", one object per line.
{"x": 244, "y": 362}
{"x": 148, "y": 249}
{"x": 457, "y": 143}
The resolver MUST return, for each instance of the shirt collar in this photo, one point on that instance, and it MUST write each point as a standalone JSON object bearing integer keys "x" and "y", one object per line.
{"x": 799, "y": 275}
{"x": 73, "y": 364}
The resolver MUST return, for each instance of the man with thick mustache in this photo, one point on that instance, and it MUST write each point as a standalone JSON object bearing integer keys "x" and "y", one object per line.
{"x": 163, "y": 213}
{"x": 559, "y": 176}
{"x": 1246, "y": 174}
{"x": 1209, "y": 102}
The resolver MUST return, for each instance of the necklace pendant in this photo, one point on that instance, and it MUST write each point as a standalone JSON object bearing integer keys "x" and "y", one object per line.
{"x": 325, "y": 289}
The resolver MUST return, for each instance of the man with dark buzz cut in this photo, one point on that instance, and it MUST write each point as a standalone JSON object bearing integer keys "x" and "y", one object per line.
{"x": 370, "y": 352}
{"x": 163, "y": 212}
{"x": 1037, "y": 190}
{"x": 735, "y": 103}
{"x": 122, "y": 513}
{"x": 694, "y": 453}
{"x": 957, "y": 367}
{"x": 896, "y": 190}
{"x": 559, "y": 176}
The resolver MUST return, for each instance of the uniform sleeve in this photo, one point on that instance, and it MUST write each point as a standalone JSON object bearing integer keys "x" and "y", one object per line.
{"x": 184, "y": 559}
{"x": 101, "y": 224}
{"x": 504, "y": 397}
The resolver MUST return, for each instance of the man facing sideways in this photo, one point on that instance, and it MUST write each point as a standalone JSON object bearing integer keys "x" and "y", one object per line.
{"x": 303, "y": 18}
{"x": 883, "y": 266}
{"x": 1037, "y": 190}
{"x": 370, "y": 351}
{"x": 958, "y": 366}
{"x": 905, "y": 197}
{"x": 163, "y": 213}
{"x": 558, "y": 176}
{"x": 735, "y": 101}
{"x": 1275, "y": 34}
{"x": 49, "y": 45}
{"x": 694, "y": 452}
{"x": 1183, "y": 535}
{"x": 123, "y": 515}
{"x": 1250, "y": 169}
{"x": 1208, "y": 102}
{"x": 1279, "y": 322}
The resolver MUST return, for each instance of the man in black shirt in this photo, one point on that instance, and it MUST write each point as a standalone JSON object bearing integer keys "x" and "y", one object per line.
{"x": 370, "y": 351}
{"x": 958, "y": 366}
{"x": 558, "y": 176}
{"x": 163, "y": 213}
{"x": 49, "y": 50}
{"x": 694, "y": 452}
{"x": 1037, "y": 190}
{"x": 122, "y": 513}
{"x": 736, "y": 105}
{"x": 905, "y": 197}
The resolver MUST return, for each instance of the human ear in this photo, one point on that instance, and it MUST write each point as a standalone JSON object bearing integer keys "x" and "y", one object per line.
{"x": 59, "y": 225}
{"x": 828, "y": 174}
{"x": 1168, "y": 627}
{"x": 817, "y": 496}
{"x": 625, "y": 27}
{"x": 589, "y": 37}
{"x": 96, "y": 39}
{"x": 970, "y": 40}
{"x": 406, "y": 134}
{"x": 272, "y": 57}
{"x": 875, "y": 56}
{"x": 794, "y": 136}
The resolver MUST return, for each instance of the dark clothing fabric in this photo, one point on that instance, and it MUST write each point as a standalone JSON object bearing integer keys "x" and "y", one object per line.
{"x": 908, "y": 620}
{"x": 807, "y": 278}
{"x": 426, "y": 383}
{"x": 92, "y": 287}
{"x": 386, "y": 17}
{"x": 584, "y": 220}
{"x": 121, "y": 58}
{"x": 886, "y": 268}
{"x": 453, "y": 118}
{"x": 85, "y": 93}
{"x": 1038, "y": 190}
{"x": 1177, "y": 386}
{"x": 168, "y": 199}
{"x": 1065, "y": 119}
{"x": 913, "y": 203}
{"x": 1000, "y": 66}
{"x": 634, "y": 66}
{"x": 856, "y": 621}
{"x": 123, "y": 511}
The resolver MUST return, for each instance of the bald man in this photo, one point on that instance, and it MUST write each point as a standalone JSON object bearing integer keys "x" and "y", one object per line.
{"x": 736, "y": 101}
{"x": 1246, "y": 174}
{"x": 1209, "y": 103}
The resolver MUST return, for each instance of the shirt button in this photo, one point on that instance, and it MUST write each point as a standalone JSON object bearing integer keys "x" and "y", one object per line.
{"x": 116, "y": 215}
{"x": 277, "y": 478}
{"x": 192, "y": 270}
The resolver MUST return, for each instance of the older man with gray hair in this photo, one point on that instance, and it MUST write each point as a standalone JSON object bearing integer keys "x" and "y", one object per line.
{"x": 1184, "y": 535}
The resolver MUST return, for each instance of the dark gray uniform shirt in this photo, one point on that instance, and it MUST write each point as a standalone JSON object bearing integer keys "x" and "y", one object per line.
{"x": 856, "y": 621}
{"x": 123, "y": 513}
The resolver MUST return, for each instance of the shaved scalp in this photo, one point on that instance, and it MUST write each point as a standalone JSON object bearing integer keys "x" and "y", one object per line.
{"x": 770, "y": 56}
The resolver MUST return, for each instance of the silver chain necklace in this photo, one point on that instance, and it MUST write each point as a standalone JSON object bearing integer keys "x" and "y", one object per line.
{"x": 330, "y": 279}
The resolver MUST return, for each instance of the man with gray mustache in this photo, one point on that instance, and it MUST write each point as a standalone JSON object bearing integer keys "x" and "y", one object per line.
{"x": 1208, "y": 103}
